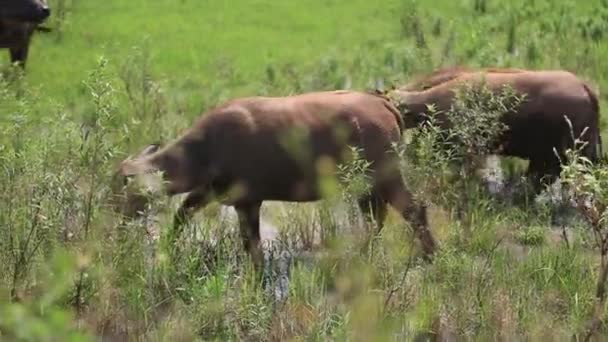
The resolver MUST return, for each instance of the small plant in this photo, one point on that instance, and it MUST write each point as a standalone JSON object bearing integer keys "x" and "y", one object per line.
{"x": 512, "y": 37}
{"x": 36, "y": 196}
{"x": 354, "y": 176}
{"x": 477, "y": 125}
{"x": 144, "y": 93}
{"x": 94, "y": 154}
{"x": 454, "y": 153}
{"x": 448, "y": 47}
{"x": 532, "y": 51}
{"x": 588, "y": 187}
{"x": 328, "y": 75}
{"x": 531, "y": 236}
{"x": 354, "y": 183}
{"x": 59, "y": 18}
{"x": 411, "y": 24}
{"x": 437, "y": 27}
{"x": 44, "y": 318}
{"x": 271, "y": 74}
{"x": 426, "y": 155}
{"x": 480, "y": 6}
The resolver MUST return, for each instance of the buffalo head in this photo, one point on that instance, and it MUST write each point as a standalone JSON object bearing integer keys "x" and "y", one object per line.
{"x": 33, "y": 11}
{"x": 132, "y": 185}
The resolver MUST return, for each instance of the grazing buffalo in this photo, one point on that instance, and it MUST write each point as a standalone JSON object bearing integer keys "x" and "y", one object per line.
{"x": 249, "y": 150}
{"x": 535, "y": 128}
{"x": 18, "y": 21}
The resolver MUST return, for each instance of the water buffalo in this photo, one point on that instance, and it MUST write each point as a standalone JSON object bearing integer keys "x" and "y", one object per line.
{"x": 18, "y": 21}
{"x": 538, "y": 124}
{"x": 249, "y": 150}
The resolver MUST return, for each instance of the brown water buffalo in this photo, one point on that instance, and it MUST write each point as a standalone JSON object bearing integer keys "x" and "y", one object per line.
{"x": 18, "y": 21}
{"x": 536, "y": 127}
{"x": 250, "y": 150}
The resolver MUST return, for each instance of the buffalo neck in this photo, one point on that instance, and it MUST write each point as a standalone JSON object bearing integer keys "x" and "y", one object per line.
{"x": 412, "y": 105}
{"x": 415, "y": 101}
{"x": 176, "y": 163}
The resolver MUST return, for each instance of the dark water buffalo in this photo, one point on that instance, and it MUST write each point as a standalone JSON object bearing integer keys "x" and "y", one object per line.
{"x": 254, "y": 149}
{"x": 538, "y": 124}
{"x": 18, "y": 21}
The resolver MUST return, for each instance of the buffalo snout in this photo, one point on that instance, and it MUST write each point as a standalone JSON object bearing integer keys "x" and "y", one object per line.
{"x": 46, "y": 12}
{"x": 41, "y": 13}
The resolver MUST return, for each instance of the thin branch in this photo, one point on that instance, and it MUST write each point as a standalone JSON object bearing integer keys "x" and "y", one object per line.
{"x": 394, "y": 290}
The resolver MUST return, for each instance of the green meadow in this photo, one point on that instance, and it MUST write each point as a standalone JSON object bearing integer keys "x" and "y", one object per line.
{"x": 194, "y": 45}
{"x": 116, "y": 75}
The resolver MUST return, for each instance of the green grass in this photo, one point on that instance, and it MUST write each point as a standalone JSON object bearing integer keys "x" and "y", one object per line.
{"x": 190, "y": 39}
{"x": 194, "y": 44}
{"x": 78, "y": 270}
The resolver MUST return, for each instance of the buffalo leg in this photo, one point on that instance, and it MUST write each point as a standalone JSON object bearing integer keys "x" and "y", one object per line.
{"x": 402, "y": 200}
{"x": 592, "y": 150}
{"x": 554, "y": 169}
{"x": 19, "y": 55}
{"x": 543, "y": 172}
{"x": 249, "y": 223}
{"x": 374, "y": 208}
{"x": 193, "y": 202}
{"x": 536, "y": 170}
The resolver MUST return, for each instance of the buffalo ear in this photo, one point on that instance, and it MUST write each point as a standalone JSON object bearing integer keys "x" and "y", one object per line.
{"x": 132, "y": 167}
{"x": 137, "y": 164}
{"x": 152, "y": 148}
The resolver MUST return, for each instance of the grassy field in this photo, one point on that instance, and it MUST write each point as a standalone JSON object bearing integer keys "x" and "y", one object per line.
{"x": 192, "y": 43}
{"x": 117, "y": 75}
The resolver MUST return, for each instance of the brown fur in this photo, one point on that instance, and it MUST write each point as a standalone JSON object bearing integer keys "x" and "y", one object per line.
{"x": 19, "y": 19}
{"x": 537, "y": 126}
{"x": 240, "y": 153}
{"x": 447, "y": 74}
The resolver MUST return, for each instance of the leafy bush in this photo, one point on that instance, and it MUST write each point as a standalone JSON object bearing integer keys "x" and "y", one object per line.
{"x": 588, "y": 187}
